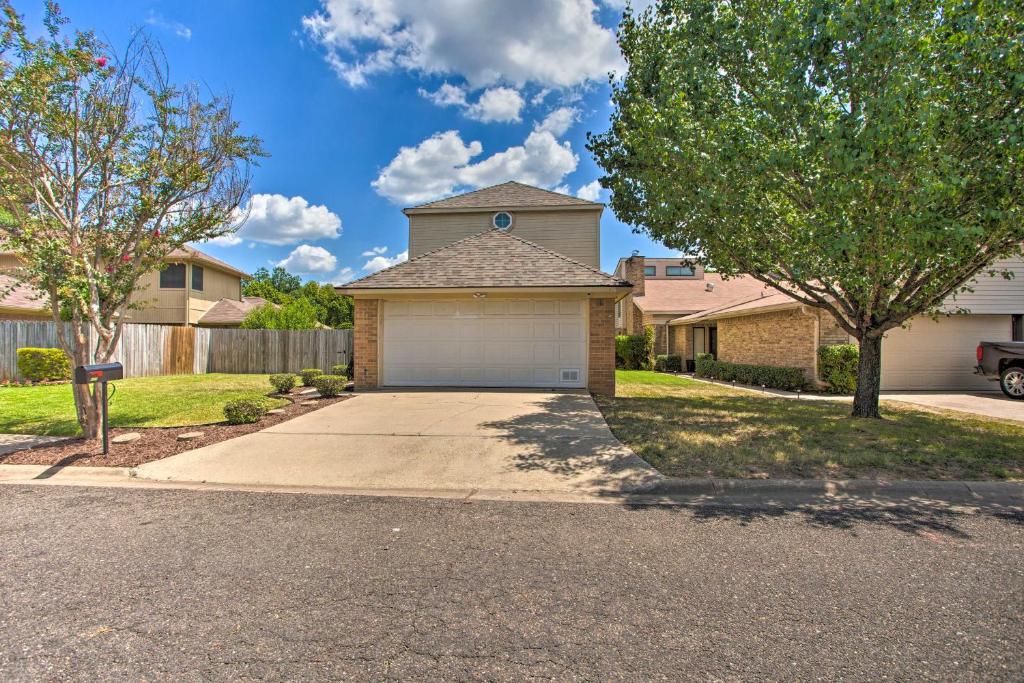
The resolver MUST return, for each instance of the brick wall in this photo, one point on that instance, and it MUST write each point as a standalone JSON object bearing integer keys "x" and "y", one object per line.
{"x": 781, "y": 338}
{"x": 366, "y": 321}
{"x": 681, "y": 338}
{"x": 601, "y": 347}
{"x": 829, "y": 331}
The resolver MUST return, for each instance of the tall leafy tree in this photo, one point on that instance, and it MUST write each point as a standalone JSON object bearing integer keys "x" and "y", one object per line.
{"x": 105, "y": 167}
{"x": 269, "y": 284}
{"x": 864, "y": 157}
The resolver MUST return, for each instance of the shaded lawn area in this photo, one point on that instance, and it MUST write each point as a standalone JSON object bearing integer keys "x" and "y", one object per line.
{"x": 169, "y": 401}
{"x": 694, "y": 429}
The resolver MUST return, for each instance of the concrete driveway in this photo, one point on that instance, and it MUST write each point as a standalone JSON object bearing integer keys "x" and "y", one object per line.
{"x": 428, "y": 441}
{"x": 989, "y": 404}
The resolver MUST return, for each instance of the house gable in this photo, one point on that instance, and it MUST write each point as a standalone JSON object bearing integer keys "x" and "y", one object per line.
{"x": 564, "y": 224}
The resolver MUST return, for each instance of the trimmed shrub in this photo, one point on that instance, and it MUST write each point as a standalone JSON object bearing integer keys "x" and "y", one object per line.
{"x": 668, "y": 363}
{"x": 330, "y": 385}
{"x": 308, "y": 375}
{"x": 621, "y": 350}
{"x": 40, "y": 365}
{"x": 283, "y": 382}
{"x": 776, "y": 377}
{"x": 340, "y": 369}
{"x": 635, "y": 351}
{"x": 243, "y": 411}
{"x": 837, "y": 365}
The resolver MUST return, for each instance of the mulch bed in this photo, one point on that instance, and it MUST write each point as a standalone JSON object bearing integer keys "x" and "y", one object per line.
{"x": 156, "y": 442}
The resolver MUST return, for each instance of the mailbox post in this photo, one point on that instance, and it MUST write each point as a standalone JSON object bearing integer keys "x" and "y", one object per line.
{"x": 100, "y": 373}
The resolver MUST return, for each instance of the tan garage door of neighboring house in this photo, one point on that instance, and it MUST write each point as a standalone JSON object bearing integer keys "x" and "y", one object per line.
{"x": 939, "y": 354}
{"x": 485, "y": 343}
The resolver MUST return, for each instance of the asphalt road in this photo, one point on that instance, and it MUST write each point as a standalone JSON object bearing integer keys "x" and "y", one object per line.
{"x": 116, "y": 584}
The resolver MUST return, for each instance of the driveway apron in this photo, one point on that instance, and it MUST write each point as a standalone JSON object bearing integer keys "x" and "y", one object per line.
{"x": 428, "y": 440}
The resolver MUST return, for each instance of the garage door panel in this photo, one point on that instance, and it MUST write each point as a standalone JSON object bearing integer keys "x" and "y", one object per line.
{"x": 936, "y": 355}
{"x": 500, "y": 342}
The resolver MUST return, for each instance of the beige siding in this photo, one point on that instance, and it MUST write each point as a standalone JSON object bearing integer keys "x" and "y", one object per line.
{"x": 939, "y": 354}
{"x": 20, "y": 314}
{"x": 575, "y": 234}
{"x": 164, "y": 306}
{"x": 178, "y": 306}
{"x": 8, "y": 262}
{"x": 994, "y": 294}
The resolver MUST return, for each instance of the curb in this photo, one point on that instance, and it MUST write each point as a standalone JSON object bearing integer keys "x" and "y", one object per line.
{"x": 1007, "y": 496}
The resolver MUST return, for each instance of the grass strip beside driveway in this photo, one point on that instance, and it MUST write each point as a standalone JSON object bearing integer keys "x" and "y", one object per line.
{"x": 694, "y": 429}
{"x": 167, "y": 401}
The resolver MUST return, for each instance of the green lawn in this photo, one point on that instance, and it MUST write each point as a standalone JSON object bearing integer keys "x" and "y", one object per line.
{"x": 171, "y": 401}
{"x": 694, "y": 429}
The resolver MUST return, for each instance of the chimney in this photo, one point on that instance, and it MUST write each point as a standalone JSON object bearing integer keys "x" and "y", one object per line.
{"x": 635, "y": 273}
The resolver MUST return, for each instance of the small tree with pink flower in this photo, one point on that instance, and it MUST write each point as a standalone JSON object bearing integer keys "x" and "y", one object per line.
{"x": 105, "y": 168}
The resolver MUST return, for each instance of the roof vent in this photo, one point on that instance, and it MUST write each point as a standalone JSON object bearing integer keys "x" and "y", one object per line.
{"x": 709, "y": 286}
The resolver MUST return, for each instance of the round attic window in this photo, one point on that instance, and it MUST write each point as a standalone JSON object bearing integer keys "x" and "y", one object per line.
{"x": 503, "y": 220}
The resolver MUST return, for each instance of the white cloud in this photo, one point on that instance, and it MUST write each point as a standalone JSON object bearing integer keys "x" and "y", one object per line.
{"x": 440, "y": 164}
{"x": 500, "y": 104}
{"x": 375, "y": 251}
{"x": 307, "y": 259}
{"x": 447, "y": 95}
{"x": 637, "y": 5}
{"x": 552, "y": 43}
{"x": 382, "y": 262}
{"x": 497, "y": 105}
{"x": 559, "y": 121}
{"x": 276, "y": 219}
{"x": 591, "y": 191}
{"x": 176, "y": 27}
{"x": 342, "y": 277}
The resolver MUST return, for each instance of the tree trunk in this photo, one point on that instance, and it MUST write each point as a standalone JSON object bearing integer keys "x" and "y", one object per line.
{"x": 869, "y": 377}
{"x": 87, "y": 404}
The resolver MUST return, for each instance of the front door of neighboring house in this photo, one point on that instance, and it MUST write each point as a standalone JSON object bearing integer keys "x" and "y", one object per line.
{"x": 713, "y": 341}
{"x": 699, "y": 341}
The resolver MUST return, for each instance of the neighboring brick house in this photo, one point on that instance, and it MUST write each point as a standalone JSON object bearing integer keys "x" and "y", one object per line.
{"x": 929, "y": 354}
{"x": 193, "y": 288}
{"x": 667, "y": 288}
{"x": 502, "y": 289}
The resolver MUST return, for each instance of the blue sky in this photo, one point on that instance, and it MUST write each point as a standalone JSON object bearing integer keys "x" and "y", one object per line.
{"x": 367, "y": 106}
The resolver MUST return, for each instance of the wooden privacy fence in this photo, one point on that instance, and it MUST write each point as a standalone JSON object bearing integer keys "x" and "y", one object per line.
{"x": 147, "y": 350}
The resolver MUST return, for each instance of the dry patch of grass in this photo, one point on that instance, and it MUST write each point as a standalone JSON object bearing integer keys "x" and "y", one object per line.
{"x": 692, "y": 429}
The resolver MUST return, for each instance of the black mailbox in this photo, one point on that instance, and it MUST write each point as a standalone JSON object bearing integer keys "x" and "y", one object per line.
{"x": 101, "y": 372}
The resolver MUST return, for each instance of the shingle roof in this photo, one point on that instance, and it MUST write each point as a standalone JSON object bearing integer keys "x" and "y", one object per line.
{"x": 489, "y": 259}
{"x": 187, "y": 253}
{"x": 770, "y": 299}
{"x": 507, "y": 195}
{"x": 18, "y": 295}
{"x": 231, "y": 312}
{"x": 692, "y": 295}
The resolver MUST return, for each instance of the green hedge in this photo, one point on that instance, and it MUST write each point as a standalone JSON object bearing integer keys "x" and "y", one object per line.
{"x": 244, "y": 411}
{"x": 772, "y": 376}
{"x": 283, "y": 382}
{"x": 330, "y": 385}
{"x": 668, "y": 363}
{"x": 837, "y": 365}
{"x": 40, "y": 365}
{"x": 308, "y": 375}
{"x": 635, "y": 351}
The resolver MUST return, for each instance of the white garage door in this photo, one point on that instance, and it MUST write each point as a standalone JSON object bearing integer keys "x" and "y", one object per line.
{"x": 939, "y": 354}
{"x": 485, "y": 343}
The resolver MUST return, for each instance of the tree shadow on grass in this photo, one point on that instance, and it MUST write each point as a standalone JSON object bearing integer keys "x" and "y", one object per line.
{"x": 708, "y": 435}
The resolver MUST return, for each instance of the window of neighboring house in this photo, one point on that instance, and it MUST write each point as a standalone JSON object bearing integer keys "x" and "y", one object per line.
{"x": 650, "y": 271}
{"x": 618, "y": 309}
{"x": 678, "y": 271}
{"x": 197, "y": 278}
{"x": 1018, "y": 328}
{"x": 173, "y": 276}
{"x": 502, "y": 220}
